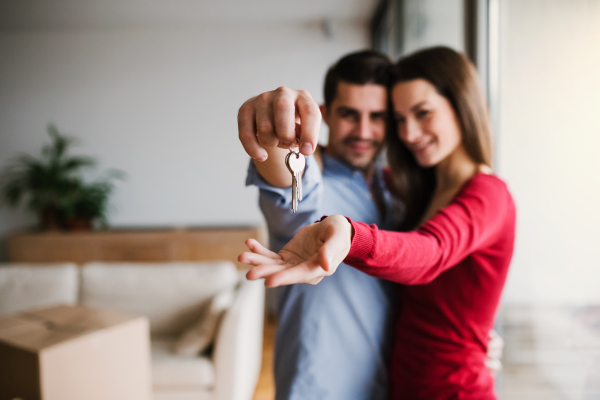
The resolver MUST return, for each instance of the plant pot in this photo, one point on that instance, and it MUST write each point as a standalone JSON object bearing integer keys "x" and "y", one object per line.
{"x": 50, "y": 219}
{"x": 79, "y": 224}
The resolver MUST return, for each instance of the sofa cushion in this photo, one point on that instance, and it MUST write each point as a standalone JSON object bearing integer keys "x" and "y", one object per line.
{"x": 171, "y": 295}
{"x": 170, "y": 371}
{"x": 201, "y": 334}
{"x": 28, "y": 286}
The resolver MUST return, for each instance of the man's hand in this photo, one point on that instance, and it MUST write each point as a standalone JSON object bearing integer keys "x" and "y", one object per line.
{"x": 494, "y": 353}
{"x": 276, "y": 120}
{"x": 313, "y": 253}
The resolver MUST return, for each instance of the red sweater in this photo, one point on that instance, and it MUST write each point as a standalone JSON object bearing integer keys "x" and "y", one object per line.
{"x": 454, "y": 266}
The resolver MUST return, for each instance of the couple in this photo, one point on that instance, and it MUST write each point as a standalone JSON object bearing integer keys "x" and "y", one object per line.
{"x": 450, "y": 251}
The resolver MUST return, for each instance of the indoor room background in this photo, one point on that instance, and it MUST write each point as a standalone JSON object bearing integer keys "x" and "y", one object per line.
{"x": 153, "y": 88}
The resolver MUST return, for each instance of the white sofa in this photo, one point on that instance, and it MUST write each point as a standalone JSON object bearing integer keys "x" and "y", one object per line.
{"x": 172, "y": 296}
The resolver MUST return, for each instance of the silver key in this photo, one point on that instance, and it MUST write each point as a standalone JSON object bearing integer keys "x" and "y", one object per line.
{"x": 295, "y": 163}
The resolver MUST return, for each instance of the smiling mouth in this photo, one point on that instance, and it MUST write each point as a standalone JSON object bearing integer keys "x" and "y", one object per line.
{"x": 361, "y": 146}
{"x": 416, "y": 148}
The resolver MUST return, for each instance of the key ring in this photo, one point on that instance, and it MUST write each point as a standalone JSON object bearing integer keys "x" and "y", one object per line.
{"x": 297, "y": 153}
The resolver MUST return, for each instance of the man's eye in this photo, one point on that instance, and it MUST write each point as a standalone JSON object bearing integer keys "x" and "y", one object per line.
{"x": 347, "y": 114}
{"x": 400, "y": 120}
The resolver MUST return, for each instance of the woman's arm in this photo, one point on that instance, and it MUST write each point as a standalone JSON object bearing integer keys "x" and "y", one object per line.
{"x": 473, "y": 220}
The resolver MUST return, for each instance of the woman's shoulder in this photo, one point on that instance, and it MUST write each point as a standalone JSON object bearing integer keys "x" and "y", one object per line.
{"x": 488, "y": 185}
{"x": 487, "y": 179}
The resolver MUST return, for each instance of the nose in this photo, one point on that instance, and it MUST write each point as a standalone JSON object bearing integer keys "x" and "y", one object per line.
{"x": 365, "y": 130}
{"x": 409, "y": 131}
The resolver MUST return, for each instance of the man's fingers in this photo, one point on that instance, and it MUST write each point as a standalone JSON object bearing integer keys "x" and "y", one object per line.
{"x": 265, "y": 127}
{"x": 495, "y": 345}
{"x": 310, "y": 117}
{"x": 258, "y": 248}
{"x": 284, "y": 116}
{"x": 272, "y": 118}
{"x": 247, "y": 132}
{"x": 494, "y": 366}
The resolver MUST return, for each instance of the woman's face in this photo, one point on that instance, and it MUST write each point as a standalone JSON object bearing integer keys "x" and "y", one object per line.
{"x": 427, "y": 124}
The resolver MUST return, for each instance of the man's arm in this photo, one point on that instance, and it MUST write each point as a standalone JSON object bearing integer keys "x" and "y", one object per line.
{"x": 273, "y": 122}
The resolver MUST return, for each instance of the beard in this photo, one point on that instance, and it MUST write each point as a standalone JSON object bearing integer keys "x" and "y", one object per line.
{"x": 361, "y": 161}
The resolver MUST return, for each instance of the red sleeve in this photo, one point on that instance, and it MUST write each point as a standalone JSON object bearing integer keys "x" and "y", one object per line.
{"x": 472, "y": 221}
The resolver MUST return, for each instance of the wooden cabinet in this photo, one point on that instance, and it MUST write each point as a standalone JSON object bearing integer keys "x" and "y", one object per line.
{"x": 197, "y": 244}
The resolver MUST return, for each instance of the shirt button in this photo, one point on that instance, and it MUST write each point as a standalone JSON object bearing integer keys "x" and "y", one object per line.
{"x": 346, "y": 181}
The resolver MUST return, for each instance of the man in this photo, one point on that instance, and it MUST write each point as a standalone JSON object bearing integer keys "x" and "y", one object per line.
{"x": 333, "y": 338}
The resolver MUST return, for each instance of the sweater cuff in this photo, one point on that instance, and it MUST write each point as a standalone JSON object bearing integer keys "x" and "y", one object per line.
{"x": 362, "y": 242}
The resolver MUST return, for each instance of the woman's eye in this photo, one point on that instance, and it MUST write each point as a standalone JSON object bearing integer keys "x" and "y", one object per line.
{"x": 422, "y": 113}
{"x": 399, "y": 120}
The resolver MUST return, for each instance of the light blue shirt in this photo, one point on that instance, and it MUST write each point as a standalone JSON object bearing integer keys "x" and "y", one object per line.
{"x": 333, "y": 339}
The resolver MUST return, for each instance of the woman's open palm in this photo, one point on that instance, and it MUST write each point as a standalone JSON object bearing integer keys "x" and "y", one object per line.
{"x": 313, "y": 253}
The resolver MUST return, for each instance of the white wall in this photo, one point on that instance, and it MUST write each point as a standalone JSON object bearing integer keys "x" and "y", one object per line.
{"x": 160, "y": 103}
{"x": 549, "y": 144}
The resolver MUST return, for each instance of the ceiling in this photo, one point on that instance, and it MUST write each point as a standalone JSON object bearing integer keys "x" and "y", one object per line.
{"x": 39, "y": 14}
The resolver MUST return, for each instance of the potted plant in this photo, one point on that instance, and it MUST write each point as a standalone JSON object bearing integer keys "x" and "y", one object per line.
{"x": 53, "y": 188}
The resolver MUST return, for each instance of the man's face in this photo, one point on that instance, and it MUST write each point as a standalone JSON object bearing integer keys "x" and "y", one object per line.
{"x": 357, "y": 123}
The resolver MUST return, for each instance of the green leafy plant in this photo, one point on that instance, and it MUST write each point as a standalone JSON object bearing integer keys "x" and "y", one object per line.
{"x": 52, "y": 186}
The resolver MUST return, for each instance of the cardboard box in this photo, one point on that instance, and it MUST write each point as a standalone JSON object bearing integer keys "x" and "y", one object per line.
{"x": 74, "y": 353}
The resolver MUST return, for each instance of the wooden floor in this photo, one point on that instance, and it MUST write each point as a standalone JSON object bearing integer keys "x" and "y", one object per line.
{"x": 265, "y": 389}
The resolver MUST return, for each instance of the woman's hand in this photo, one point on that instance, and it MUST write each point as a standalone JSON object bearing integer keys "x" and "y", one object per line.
{"x": 313, "y": 253}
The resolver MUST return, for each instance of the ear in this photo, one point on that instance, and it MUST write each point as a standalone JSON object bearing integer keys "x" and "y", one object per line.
{"x": 324, "y": 113}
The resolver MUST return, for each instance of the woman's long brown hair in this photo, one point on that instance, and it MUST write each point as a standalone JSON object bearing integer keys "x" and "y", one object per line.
{"x": 455, "y": 78}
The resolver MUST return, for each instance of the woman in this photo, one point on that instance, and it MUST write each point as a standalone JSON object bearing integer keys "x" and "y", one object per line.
{"x": 457, "y": 242}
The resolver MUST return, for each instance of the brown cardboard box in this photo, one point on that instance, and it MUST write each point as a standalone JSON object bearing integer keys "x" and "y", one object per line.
{"x": 74, "y": 353}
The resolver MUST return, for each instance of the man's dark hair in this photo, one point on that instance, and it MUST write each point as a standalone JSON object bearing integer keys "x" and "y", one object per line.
{"x": 360, "y": 68}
